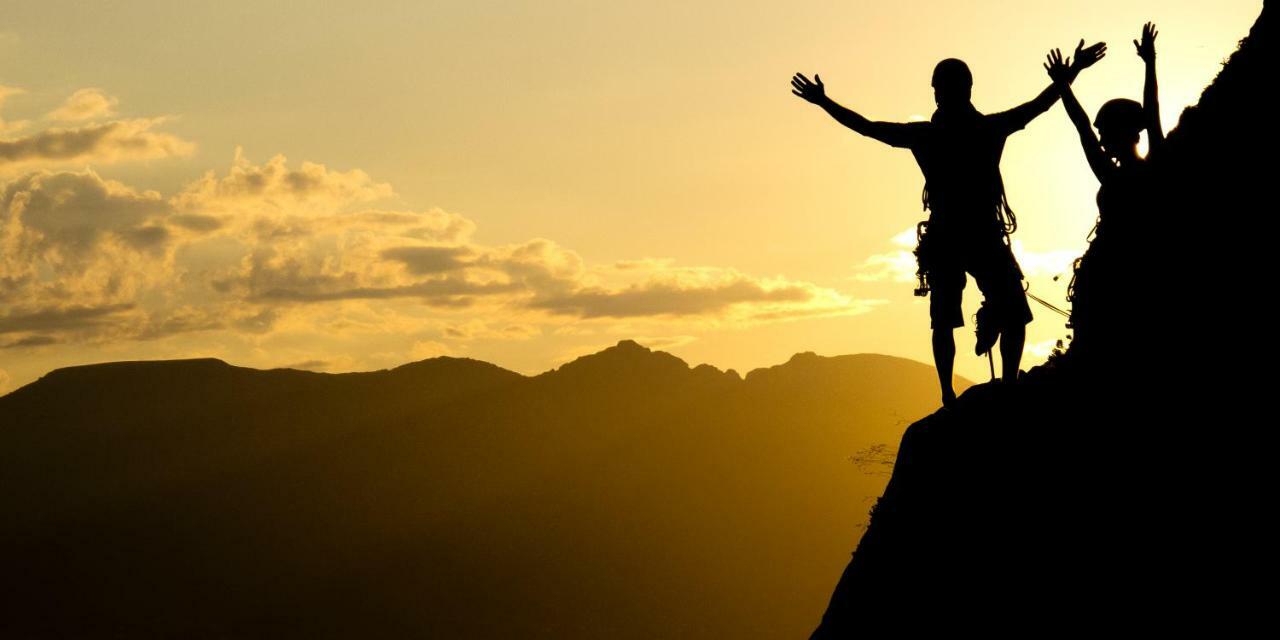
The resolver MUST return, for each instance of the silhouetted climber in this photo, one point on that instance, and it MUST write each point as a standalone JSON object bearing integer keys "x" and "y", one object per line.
{"x": 1101, "y": 280}
{"x": 970, "y": 220}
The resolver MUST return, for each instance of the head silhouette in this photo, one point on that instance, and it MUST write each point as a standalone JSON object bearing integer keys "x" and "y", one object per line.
{"x": 952, "y": 84}
{"x": 1119, "y": 124}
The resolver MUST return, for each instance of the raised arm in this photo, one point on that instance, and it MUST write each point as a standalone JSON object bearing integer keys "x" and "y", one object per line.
{"x": 1021, "y": 115}
{"x": 1150, "y": 94}
{"x": 898, "y": 134}
{"x": 1060, "y": 72}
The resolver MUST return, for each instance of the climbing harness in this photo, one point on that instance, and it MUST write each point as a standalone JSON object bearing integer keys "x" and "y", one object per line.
{"x": 923, "y": 256}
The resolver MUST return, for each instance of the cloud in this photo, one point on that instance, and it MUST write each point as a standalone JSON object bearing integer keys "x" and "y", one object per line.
{"x": 197, "y": 222}
{"x": 900, "y": 265}
{"x": 894, "y": 266}
{"x": 52, "y": 319}
{"x": 1047, "y": 263}
{"x": 1041, "y": 350}
{"x": 276, "y": 253}
{"x": 5, "y": 92}
{"x": 84, "y": 104}
{"x": 76, "y": 240}
{"x": 114, "y": 141}
{"x": 699, "y": 292}
{"x": 73, "y": 211}
{"x": 166, "y": 322}
{"x": 431, "y": 259}
{"x": 275, "y": 186}
{"x": 446, "y": 292}
{"x": 478, "y": 329}
{"x": 657, "y": 297}
{"x": 30, "y": 341}
{"x": 5, "y": 380}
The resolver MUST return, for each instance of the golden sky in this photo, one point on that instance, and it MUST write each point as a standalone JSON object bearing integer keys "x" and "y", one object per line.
{"x": 350, "y": 186}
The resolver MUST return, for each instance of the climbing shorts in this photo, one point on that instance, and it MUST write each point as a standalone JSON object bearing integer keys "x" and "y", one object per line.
{"x": 999, "y": 278}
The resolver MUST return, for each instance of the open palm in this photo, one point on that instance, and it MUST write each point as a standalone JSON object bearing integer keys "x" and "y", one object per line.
{"x": 1147, "y": 47}
{"x": 1086, "y": 57}
{"x": 814, "y": 92}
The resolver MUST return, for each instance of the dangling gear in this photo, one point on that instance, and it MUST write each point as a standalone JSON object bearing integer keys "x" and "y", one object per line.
{"x": 924, "y": 258}
{"x": 986, "y": 329}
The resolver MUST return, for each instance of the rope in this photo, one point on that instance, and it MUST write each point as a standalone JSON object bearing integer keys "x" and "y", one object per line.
{"x": 1049, "y": 306}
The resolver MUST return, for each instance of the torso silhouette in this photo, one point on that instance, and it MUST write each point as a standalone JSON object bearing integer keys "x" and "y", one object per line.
{"x": 1101, "y": 290}
{"x": 959, "y": 154}
{"x": 1121, "y": 201}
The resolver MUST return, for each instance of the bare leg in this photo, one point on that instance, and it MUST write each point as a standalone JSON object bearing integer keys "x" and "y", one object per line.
{"x": 944, "y": 356}
{"x": 1011, "y": 340}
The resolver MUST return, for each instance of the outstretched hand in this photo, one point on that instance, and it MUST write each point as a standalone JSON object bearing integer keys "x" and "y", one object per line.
{"x": 1086, "y": 57}
{"x": 813, "y": 92}
{"x": 1062, "y": 69}
{"x": 1058, "y": 68}
{"x": 1147, "y": 48}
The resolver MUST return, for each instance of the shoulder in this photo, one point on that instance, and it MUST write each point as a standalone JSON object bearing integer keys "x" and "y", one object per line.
{"x": 1004, "y": 122}
{"x": 906, "y": 135}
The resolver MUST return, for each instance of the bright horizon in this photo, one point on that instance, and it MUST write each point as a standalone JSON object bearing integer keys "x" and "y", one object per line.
{"x": 522, "y": 183}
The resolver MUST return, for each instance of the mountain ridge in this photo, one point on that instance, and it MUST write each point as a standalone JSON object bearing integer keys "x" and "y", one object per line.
{"x": 626, "y": 353}
{"x": 197, "y": 499}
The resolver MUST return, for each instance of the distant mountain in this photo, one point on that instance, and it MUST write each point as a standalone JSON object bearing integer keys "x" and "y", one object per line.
{"x": 622, "y": 495}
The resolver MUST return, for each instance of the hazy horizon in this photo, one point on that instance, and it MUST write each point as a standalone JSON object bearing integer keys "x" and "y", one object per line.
{"x": 521, "y": 184}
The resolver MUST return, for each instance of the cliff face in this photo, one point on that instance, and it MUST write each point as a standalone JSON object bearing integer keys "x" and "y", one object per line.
{"x": 1102, "y": 487}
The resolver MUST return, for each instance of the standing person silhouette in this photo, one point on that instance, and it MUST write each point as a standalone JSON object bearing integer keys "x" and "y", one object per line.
{"x": 958, "y": 151}
{"x": 1101, "y": 280}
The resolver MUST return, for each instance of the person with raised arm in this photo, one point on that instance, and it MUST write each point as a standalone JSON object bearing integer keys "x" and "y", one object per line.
{"x": 958, "y": 151}
{"x": 1102, "y": 277}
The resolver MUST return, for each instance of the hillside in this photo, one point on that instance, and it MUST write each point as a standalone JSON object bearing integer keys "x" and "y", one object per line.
{"x": 625, "y": 494}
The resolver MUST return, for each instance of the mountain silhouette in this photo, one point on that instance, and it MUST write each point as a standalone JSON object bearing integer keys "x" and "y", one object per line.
{"x": 623, "y": 494}
{"x": 1108, "y": 489}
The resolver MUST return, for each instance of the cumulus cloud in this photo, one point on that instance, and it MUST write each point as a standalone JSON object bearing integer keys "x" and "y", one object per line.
{"x": 259, "y": 251}
{"x": 72, "y": 211}
{"x": 74, "y": 242}
{"x": 273, "y": 185}
{"x": 114, "y": 141}
{"x": 84, "y": 104}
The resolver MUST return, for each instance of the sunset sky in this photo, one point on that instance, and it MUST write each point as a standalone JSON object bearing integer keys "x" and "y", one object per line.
{"x": 347, "y": 186}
